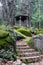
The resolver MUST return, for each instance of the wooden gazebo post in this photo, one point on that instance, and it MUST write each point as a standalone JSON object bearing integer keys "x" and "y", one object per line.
{"x": 20, "y": 21}
{"x": 27, "y": 22}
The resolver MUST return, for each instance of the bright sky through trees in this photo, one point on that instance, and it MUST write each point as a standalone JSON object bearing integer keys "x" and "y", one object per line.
{"x": 0, "y": 4}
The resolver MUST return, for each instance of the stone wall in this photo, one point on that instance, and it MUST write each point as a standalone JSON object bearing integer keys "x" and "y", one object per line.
{"x": 38, "y": 42}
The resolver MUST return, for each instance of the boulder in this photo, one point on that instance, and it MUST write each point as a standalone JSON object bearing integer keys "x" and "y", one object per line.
{"x": 38, "y": 42}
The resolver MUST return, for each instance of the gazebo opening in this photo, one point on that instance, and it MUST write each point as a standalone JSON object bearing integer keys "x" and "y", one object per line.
{"x": 23, "y": 20}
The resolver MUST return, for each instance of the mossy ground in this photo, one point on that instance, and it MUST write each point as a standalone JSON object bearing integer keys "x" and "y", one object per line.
{"x": 6, "y": 45}
{"x": 6, "y": 36}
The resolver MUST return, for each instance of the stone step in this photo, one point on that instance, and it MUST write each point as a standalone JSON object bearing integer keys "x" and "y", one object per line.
{"x": 36, "y": 63}
{"x": 31, "y": 59}
{"x": 23, "y": 47}
{"x": 21, "y": 43}
{"x": 28, "y": 54}
{"x": 41, "y": 56}
{"x": 26, "y": 50}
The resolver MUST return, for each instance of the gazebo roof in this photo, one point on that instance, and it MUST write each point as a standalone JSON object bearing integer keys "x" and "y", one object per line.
{"x": 21, "y": 14}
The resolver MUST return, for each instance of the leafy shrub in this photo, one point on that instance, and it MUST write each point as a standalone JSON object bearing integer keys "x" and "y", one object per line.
{"x": 6, "y": 27}
{"x": 34, "y": 30}
{"x": 3, "y": 27}
{"x": 9, "y": 39}
{"x": 7, "y": 55}
{"x": 9, "y": 27}
{"x": 40, "y": 31}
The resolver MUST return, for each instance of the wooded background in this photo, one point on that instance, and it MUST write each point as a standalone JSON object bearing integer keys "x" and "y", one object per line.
{"x": 34, "y": 9}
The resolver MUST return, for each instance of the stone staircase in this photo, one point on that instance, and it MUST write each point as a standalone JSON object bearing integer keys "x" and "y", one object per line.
{"x": 26, "y": 53}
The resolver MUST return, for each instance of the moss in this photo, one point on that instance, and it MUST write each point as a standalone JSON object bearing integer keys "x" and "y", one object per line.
{"x": 3, "y": 33}
{"x": 2, "y": 43}
{"x": 9, "y": 39}
{"x": 29, "y": 61}
{"x": 18, "y": 33}
{"x": 38, "y": 31}
{"x": 3, "y": 36}
{"x": 29, "y": 41}
{"x": 25, "y": 31}
{"x": 6, "y": 44}
{"x": 16, "y": 27}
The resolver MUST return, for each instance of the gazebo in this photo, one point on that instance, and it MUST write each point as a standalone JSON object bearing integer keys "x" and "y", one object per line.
{"x": 22, "y": 20}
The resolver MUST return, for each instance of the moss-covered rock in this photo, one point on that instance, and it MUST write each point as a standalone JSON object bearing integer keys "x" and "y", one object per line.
{"x": 20, "y": 35}
{"x": 7, "y": 43}
{"x": 4, "y": 37}
{"x": 16, "y": 27}
{"x": 25, "y": 31}
{"x": 3, "y": 34}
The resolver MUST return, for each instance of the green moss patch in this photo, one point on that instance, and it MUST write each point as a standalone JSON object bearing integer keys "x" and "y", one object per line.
{"x": 37, "y": 31}
{"x": 25, "y": 31}
{"x": 6, "y": 46}
{"x": 3, "y": 34}
{"x": 40, "y": 31}
{"x": 18, "y": 33}
{"x": 16, "y": 27}
{"x": 29, "y": 41}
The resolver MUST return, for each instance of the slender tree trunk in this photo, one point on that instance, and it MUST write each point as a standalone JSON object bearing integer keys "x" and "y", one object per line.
{"x": 8, "y": 12}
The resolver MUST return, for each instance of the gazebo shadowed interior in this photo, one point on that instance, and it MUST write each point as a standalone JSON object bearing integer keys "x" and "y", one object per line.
{"x": 22, "y": 20}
